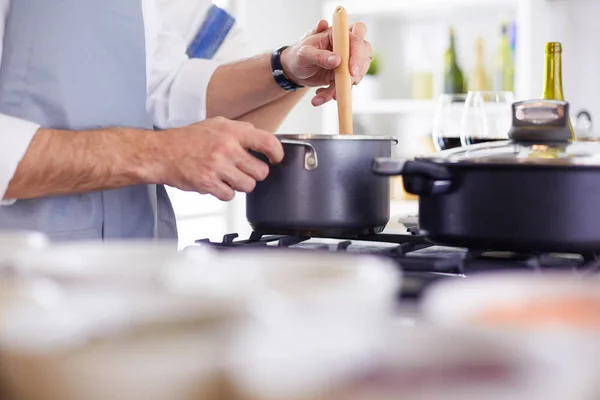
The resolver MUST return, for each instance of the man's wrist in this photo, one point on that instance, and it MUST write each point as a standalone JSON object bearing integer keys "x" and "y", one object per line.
{"x": 281, "y": 67}
{"x": 150, "y": 167}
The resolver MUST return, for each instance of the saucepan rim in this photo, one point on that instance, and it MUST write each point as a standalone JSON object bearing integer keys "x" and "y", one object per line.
{"x": 311, "y": 136}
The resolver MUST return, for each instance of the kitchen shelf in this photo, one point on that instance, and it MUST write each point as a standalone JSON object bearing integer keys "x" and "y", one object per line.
{"x": 399, "y": 7}
{"x": 394, "y": 106}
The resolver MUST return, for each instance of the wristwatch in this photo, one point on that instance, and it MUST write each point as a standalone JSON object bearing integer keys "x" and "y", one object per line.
{"x": 278, "y": 74}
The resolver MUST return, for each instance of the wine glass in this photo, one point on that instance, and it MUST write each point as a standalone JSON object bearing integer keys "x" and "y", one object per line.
{"x": 447, "y": 120}
{"x": 486, "y": 117}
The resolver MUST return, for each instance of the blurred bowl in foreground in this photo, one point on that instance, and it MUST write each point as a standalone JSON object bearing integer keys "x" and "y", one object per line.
{"x": 555, "y": 315}
{"x": 115, "y": 345}
{"x": 14, "y": 242}
{"x": 119, "y": 263}
{"x": 275, "y": 281}
{"x": 327, "y": 360}
{"x": 518, "y": 302}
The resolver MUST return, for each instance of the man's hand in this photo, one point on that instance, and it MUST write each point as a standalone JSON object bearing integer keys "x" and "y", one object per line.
{"x": 211, "y": 157}
{"x": 311, "y": 62}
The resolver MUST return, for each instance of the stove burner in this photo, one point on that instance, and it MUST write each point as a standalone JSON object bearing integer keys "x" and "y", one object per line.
{"x": 421, "y": 261}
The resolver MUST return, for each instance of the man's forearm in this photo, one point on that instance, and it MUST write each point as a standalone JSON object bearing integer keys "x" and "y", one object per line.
{"x": 242, "y": 87}
{"x": 270, "y": 116}
{"x": 66, "y": 162}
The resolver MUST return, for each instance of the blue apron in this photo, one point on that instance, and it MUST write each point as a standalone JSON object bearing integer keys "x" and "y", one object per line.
{"x": 81, "y": 65}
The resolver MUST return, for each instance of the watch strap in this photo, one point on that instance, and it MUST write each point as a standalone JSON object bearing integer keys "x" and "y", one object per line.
{"x": 278, "y": 74}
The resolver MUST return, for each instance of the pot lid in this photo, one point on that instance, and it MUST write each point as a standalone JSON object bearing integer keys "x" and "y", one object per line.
{"x": 541, "y": 134}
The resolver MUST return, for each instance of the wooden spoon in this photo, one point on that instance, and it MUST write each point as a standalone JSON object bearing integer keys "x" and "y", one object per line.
{"x": 343, "y": 80}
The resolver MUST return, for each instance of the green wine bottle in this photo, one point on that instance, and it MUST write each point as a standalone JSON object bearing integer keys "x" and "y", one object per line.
{"x": 454, "y": 81}
{"x": 553, "y": 86}
{"x": 504, "y": 68}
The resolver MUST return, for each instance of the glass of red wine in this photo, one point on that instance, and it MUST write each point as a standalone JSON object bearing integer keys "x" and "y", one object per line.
{"x": 447, "y": 121}
{"x": 486, "y": 117}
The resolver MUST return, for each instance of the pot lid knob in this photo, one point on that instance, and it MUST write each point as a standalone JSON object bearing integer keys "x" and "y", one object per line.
{"x": 540, "y": 121}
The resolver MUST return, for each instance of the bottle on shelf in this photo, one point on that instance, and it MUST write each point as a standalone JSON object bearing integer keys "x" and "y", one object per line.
{"x": 479, "y": 78}
{"x": 504, "y": 68}
{"x": 553, "y": 86}
{"x": 454, "y": 81}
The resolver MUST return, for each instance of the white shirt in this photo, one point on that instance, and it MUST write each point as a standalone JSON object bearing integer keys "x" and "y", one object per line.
{"x": 176, "y": 87}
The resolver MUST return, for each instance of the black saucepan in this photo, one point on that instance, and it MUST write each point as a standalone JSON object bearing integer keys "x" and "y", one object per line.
{"x": 537, "y": 191}
{"x": 323, "y": 187}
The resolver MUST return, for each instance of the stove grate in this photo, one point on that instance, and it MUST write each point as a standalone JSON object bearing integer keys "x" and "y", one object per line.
{"x": 414, "y": 253}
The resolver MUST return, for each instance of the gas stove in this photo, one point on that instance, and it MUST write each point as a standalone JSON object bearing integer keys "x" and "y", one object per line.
{"x": 420, "y": 261}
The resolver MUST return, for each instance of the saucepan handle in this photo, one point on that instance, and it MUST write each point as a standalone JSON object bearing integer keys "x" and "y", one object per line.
{"x": 422, "y": 178}
{"x": 311, "y": 161}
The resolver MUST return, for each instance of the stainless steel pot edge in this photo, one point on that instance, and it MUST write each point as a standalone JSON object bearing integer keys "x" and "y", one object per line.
{"x": 335, "y": 137}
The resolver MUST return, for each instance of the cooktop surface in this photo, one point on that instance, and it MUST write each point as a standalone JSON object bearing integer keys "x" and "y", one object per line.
{"x": 420, "y": 261}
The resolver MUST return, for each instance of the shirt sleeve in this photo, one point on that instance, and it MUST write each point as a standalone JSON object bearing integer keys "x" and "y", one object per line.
{"x": 15, "y": 137}
{"x": 177, "y": 85}
{"x": 15, "y": 134}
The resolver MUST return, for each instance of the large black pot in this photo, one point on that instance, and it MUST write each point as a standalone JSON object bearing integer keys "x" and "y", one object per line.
{"x": 323, "y": 187}
{"x": 536, "y": 192}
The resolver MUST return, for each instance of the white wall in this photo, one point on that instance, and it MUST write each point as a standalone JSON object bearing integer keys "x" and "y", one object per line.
{"x": 575, "y": 23}
{"x": 271, "y": 24}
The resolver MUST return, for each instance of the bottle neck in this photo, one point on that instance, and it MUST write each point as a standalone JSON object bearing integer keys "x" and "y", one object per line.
{"x": 451, "y": 53}
{"x": 480, "y": 54}
{"x": 553, "y": 89}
